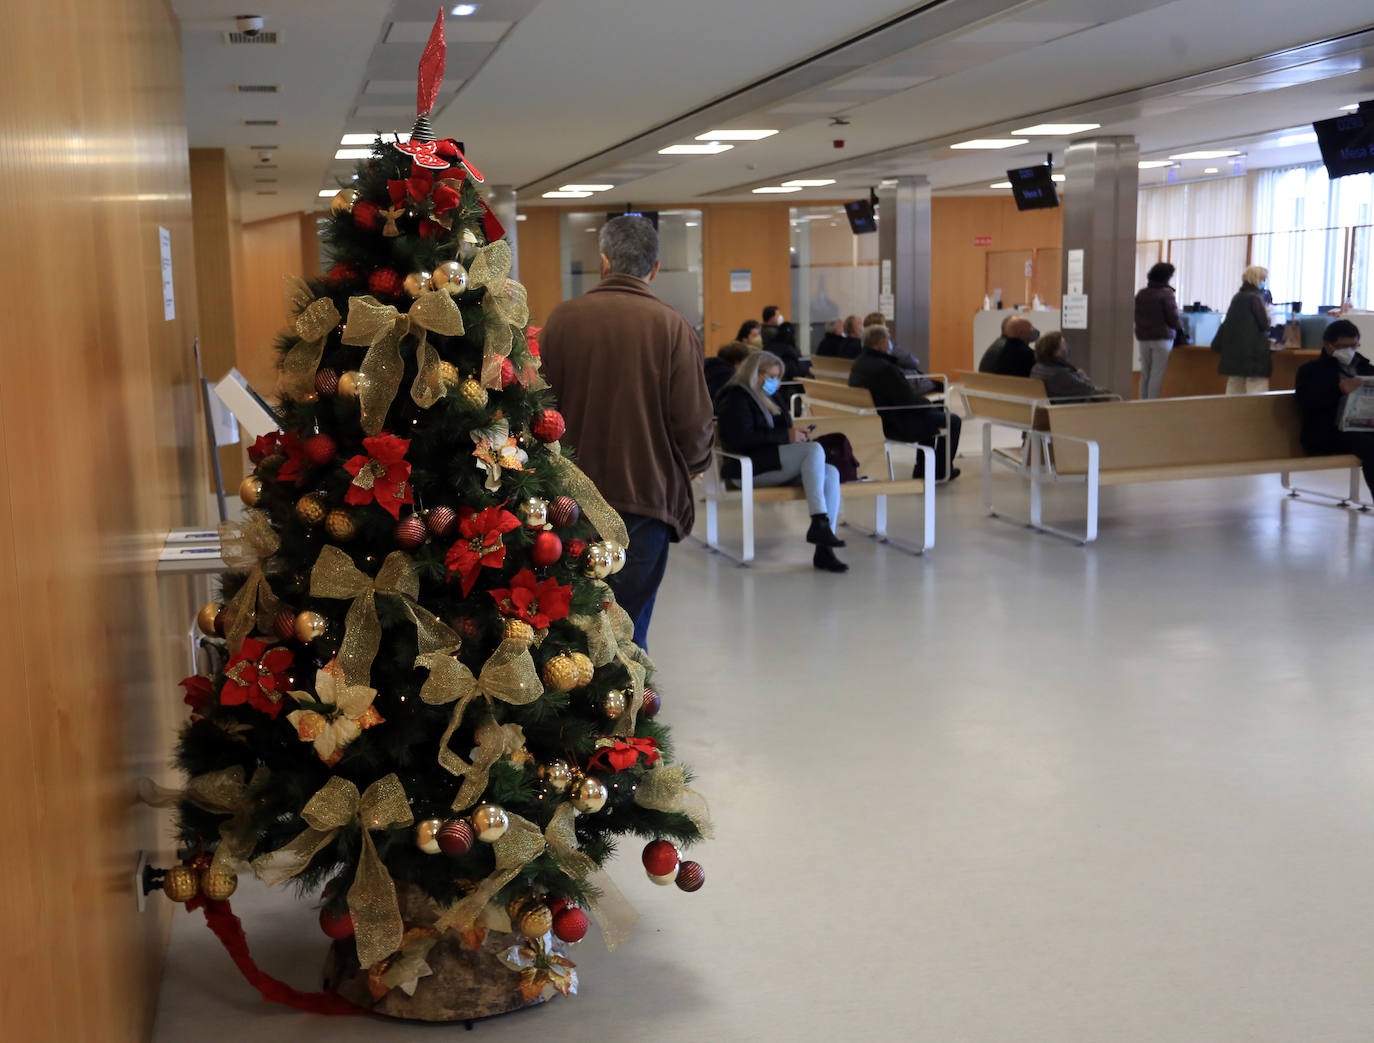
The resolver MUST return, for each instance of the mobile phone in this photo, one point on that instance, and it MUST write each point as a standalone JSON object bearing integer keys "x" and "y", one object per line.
{"x": 810, "y": 429}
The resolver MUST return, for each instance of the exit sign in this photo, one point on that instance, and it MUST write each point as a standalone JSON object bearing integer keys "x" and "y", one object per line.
{"x": 982, "y": 240}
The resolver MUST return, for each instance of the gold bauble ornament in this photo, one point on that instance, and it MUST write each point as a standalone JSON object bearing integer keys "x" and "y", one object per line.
{"x": 218, "y": 883}
{"x": 585, "y": 670}
{"x": 614, "y": 704}
{"x": 519, "y": 631}
{"x": 343, "y": 201}
{"x": 310, "y": 509}
{"x": 518, "y": 904}
{"x": 589, "y": 795}
{"x": 250, "y": 490}
{"x": 205, "y": 618}
{"x": 617, "y": 553}
{"x": 310, "y": 626}
{"x": 535, "y": 920}
{"x": 415, "y": 283}
{"x": 349, "y": 382}
{"x": 557, "y": 775}
{"x": 560, "y": 674}
{"x": 181, "y": 884}
{"x": 449, "y": 276}
{"x": 449, "y": 374}
{"x": 534, "y": 512}
{"x": 473, "y": 392}
{"x": 490, "y": 823}
{"x": 340, "y": 525}
{"x": 597, "y": 561}
{"x": 427, "y": 835}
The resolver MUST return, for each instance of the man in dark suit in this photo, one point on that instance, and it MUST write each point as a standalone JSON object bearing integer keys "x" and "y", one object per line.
{"x": 1017, "y": 357}
{"x": 1322, "y": 384}
{"x": 886, "y": 381}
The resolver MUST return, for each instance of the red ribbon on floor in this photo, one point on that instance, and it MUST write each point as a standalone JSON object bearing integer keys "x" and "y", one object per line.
{"x": 229, "y": 930}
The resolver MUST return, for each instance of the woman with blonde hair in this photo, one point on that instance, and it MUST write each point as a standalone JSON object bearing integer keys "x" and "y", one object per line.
{"x": 1243, "y": 339}
{"x": 751, "y": 424}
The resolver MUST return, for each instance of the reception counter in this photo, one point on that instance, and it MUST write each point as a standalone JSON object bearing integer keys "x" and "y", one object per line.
{"x": 1192, "y": 370}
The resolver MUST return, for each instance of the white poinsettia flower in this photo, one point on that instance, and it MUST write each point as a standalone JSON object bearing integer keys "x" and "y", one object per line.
{"x": 350, "y": 711}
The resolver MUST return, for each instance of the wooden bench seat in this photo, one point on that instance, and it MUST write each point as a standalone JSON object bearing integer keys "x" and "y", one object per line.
{"x": 871, "y": 449}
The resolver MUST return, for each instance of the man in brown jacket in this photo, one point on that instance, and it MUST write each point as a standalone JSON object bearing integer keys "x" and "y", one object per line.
{"x": 628, "y": 372}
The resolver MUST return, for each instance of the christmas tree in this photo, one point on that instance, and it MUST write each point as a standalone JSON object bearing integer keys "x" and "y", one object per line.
{"x": 427, "y": 708}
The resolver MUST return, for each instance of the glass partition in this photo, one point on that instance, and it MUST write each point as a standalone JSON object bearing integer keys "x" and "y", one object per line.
{"x": 1208, "y": 269}
{"x": 834, "y": 271}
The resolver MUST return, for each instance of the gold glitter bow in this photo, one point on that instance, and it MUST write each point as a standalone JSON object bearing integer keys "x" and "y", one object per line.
{"x": 602, "y": 644}
{"x": 382, "y": 328}
{"x": 505, "y": 307}
{"x": 521, "y": 844}
{"x": 335, "y": 576}
{"x": 315, "y": 317}
{"x": 664, "y": 788}
{"x": 220, "y": 793}
{"x": 372, "y": 898}
{"x": 611, "y": 910}
{"x": 595, "y": 509}
{"x": 493, "y": 741}
{"x": 244, "y": 546}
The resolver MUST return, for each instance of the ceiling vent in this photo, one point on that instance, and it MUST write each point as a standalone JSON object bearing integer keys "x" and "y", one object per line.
{"x": 258, "y": 88}
{"x": 264, "y": 148}
{"x": 261, "y": 123}
{"x": 267, "y": 191}
{"x": 265, "y": 181}
{"x": 261, "y": 36}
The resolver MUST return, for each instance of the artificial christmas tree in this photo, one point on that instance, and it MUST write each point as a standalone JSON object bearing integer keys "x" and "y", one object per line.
{"x": 429, "y": 706}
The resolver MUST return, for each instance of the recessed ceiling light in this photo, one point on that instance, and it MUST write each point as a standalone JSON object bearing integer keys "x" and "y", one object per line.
{"x": 802, "y": 182}
{"x": 1153, "y": 164}
{"x": 1207, "y": 153}
{"x": 1211, "y": 170}
{"x": 462, "y": 10}
{"x": 991, "y": 143}
{"x": 1056, "y": 130}
{"x": 1000, "y": 184}
{"x": 564, "y": 194}
{"x": 773, "y": 190}
{"x": 1350, "y": 108}
{"x": 522, "y": 217}
{"x": 887, "y": 182}
{"x": 735, "y": 135}
{"x": 1057, "y": 177}
{"x": 1289, "y": 140}
{"x": 328, "y": 192}
{"x": 711, "y": 148}
{"x": 585, "y": 188}
{"x": 368, "y": 139}
{"x": 353, "y": 153}
{"x": 690, "y": 224}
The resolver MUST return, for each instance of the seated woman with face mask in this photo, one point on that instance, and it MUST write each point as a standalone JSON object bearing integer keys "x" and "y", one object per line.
{"x": 1061, "y": 378}
{"x": 752, "y": 425}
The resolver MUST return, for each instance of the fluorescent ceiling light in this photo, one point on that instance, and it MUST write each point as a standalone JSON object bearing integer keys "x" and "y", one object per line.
{"x": 585, "y": 188}
{"x": 368, "y": 139}
{"x": 1289, "y": 140}
{"x": 1000, "y": 184}
{"x": 1056, "y": 130}
{"x": 1207, "y": 153}
{"x": 774, "y": 190}
{"x": 353, "y": 153}
{"x": 802, "y": 182}
{"x": 887, "y": 182}
{"x": 1350, "y": 108}
{"x": 735, "y": 135}
{"x": 561, "y": 194}
{"x": 690, "y": 224}
{"x": 711, "y": 148}
{"x": 991, "y": 143}
{"x": 1211, "y": 170}
{"x": 1154, "y": 164}
{"x": 331, "y": 192}
{"x": 462, "y": 10}
{"x": 1057, "y": 177}
{"x": 522, "y": 217}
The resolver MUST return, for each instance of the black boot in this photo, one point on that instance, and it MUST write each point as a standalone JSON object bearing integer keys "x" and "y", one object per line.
{"x": 825, "y": 559}
{"x": 820, "y": 533}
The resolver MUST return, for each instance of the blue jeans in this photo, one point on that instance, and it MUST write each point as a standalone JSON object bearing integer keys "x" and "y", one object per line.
{"x": 646, "y": 559}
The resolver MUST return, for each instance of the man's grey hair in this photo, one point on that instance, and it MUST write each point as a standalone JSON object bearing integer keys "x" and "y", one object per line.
{"x": 630, "y": 245}
{"x": 875, "y": 336}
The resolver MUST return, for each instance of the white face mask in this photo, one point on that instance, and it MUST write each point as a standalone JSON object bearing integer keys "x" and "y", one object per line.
{"x": 1345, "y": 356}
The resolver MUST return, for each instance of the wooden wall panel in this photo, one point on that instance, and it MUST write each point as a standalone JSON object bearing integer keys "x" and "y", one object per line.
{"x": 744, "y": 235}
{"x": 540, "y": 272}
{"x": 98, "y": 415}
{"x": 270, "y": 249}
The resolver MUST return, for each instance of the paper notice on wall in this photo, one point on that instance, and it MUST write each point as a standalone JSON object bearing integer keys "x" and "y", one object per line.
{"x": 1074, "y": 314}
{"x": 885, "y": 276}
{"x": 1073, "y": 282}
{"x": 887, "y": 304}
{"x": 741, "y": 280}
{"x": 169, "y": 297}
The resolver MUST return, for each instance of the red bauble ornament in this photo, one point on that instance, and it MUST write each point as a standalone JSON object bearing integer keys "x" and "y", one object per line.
{"x": 285, "y": 624}
{"x": 548, "y": 425}
{"x": 507, "y": 373}
{"x": 660, "y": 857}
{"x": 576, "y": 547}
{"x": 327, "y": 382}
{"x": 342, "y": 273}
{"x": 547, "y": 548}
{"x": 320, "y": 449}
{"x": 651, "y": 703}
{"x": 570, "y": 924}
{"x": 557, "y": 905}
{"x": 564, "y": 512}
{"x": 441, "y": 521}
{"x": 456, "y": 837}
{"x": 690, "y": 876}
{"x": 410, "y": 533}
{"x": 336, "y": 925}
{"x": 366, "y": 215}
{"x": 385, "y": 283}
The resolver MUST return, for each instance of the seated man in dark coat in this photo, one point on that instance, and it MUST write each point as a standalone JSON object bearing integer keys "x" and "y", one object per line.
{"x": 1017, "y": 357}
{"x": 837, "y": 343}
{"x": 1320, "y": 386}
{"x": 721, "y": 366}
{"x": 780, "y": 337}
{"x": 988, "y": 363}
{"x": 887, "y": 383}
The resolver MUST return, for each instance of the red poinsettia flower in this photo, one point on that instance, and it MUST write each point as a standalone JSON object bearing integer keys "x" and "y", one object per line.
{"x": 479, "y": 543}
{"x": 256, "y": 675}
{"x": 538, "y": 604}
{"x": 430, "y": 229}
{"x": 532, "y": 339}
{"x": 446, "y": 197}
{"x": 619, "y": 754}
{"x": 383, "y": 475}
{"x": 199, "y": 691}
{"x": 263, "y": 446}
{"x": 288, "y": 445}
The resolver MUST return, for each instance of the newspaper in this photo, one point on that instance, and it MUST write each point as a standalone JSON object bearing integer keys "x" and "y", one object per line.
{"x": 1357, "y": 408}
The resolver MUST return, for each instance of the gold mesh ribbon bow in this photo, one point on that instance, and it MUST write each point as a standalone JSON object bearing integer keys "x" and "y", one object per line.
{"x": 246, "y": 546}
{"x": 493, "y": 741}
{"x": 372, "y": 898}
{"x": 664, "y": 788}
{"x": 505, "y": 307}
{"x": 595, "y": 509}
{"x": 335, "y": 576}
{"x": 611, "y": 910}
{"x": 382, "y": 328}
{"x": 521, "y": 844}
{"x": 314, "y": 318}
{"x": 220, "y": 793}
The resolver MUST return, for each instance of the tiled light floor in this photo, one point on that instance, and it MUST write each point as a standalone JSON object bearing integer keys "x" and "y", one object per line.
{"x": 1018, "y": 790}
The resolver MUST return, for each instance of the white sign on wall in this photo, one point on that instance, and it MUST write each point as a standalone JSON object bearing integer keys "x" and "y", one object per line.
{"x": 741, "y": 280}
{"x": 1074, "y": 315}
{"x": 1074, "y": 275}
{"x": 885, "y": 278}
{"x": 169, "y": 297}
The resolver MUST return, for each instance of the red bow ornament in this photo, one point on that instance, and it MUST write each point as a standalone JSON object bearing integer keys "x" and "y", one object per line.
{"x": 383, "y": 476}
{"x": 479, "y": 544}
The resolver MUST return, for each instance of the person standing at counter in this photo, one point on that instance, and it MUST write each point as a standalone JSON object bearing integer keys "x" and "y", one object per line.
{"x": 1243, "y": 339}
{"x": 1321, "y": 384}
{"x": 1157, "y": 326}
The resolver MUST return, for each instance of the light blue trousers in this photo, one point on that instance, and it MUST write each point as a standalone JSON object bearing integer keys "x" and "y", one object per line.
{"x": 820, "y": 481}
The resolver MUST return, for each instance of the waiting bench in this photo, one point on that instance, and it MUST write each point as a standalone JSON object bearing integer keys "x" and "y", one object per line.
{"x": 826, "y": 398}
{"x": 871, "y": 449}
{"x": 1158, "y": 440}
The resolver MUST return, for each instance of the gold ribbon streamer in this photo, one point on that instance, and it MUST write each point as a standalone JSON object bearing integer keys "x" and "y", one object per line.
{"x": 611, "y": 910}
{"x": 664, "y": 788}
{"x": 521, "y": 844}
{"x": 372, "y": 898}
{"x": 247, "y": 545}
{"x": 602, "y": 644}
{"x": 335, "y": 576}
{"x": 595, "y": 509}
{"x": 382, "y": 328}
{"x": 314, "y": 320}
{"x": 494, "y": 741}
{"x": 625, "y": 723}
{"x": 505, "y": 307}
{"x": 220, "y": 793}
